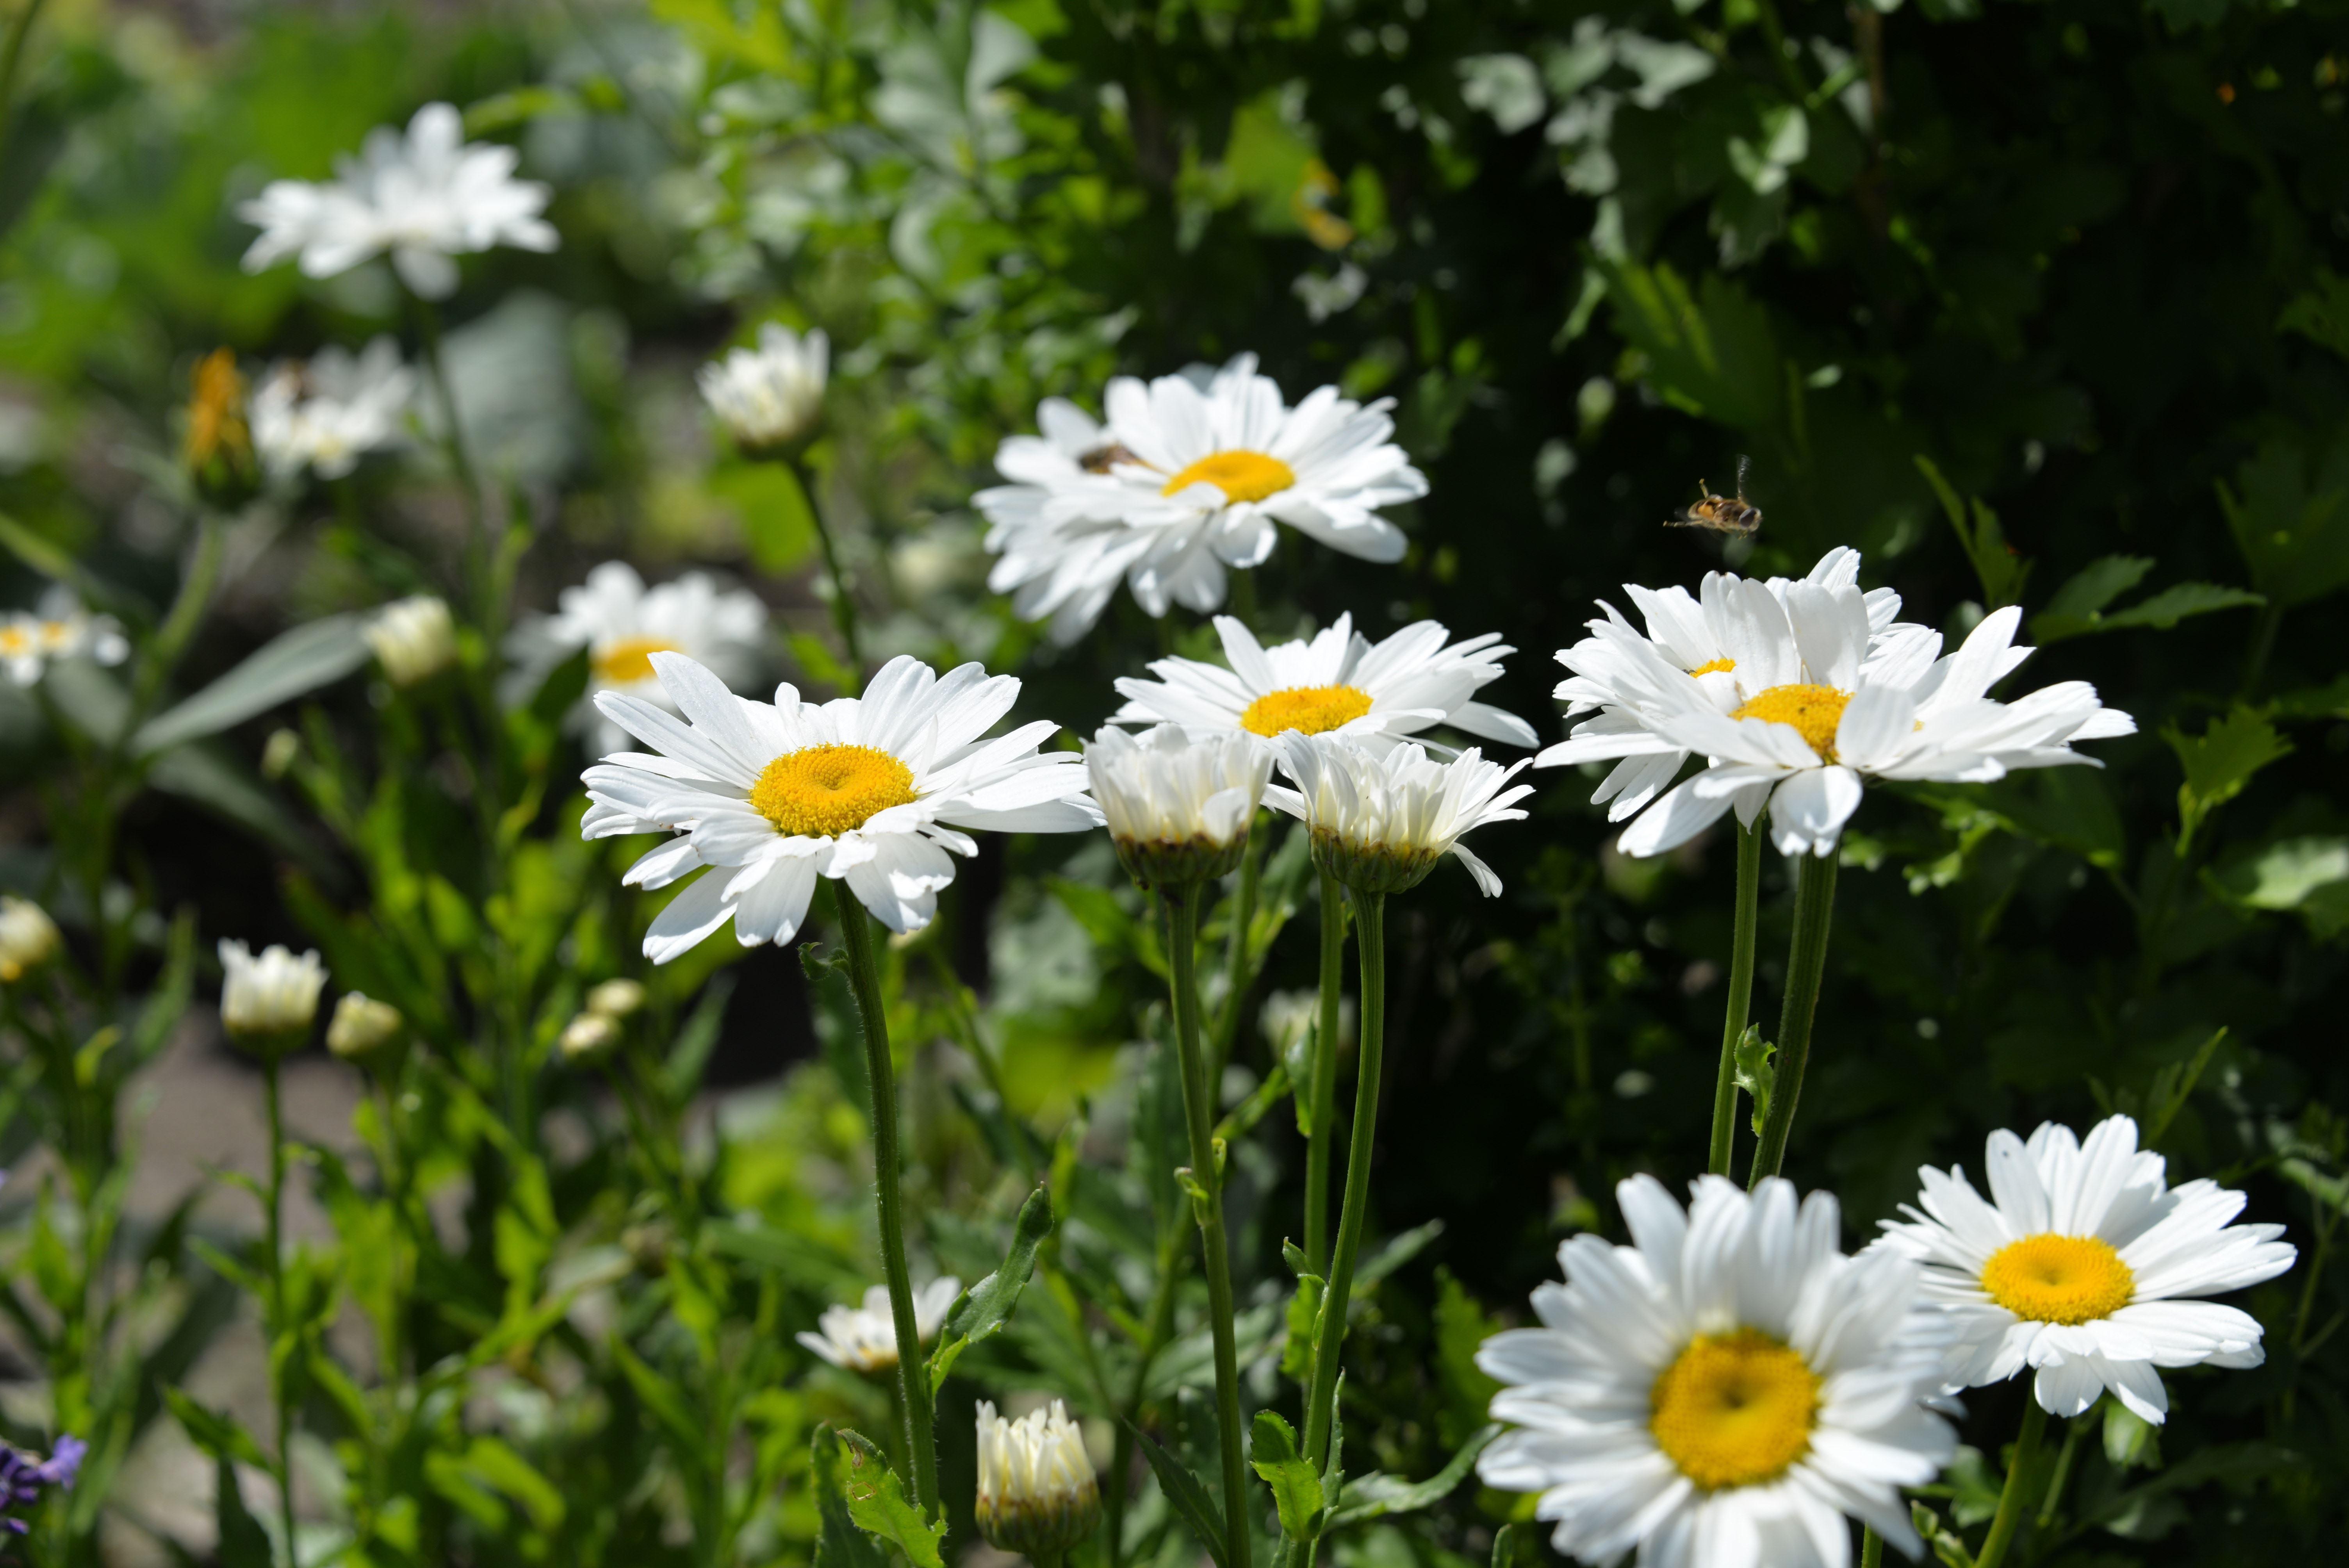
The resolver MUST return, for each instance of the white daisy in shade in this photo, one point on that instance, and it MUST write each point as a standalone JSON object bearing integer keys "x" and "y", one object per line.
{"x": 327, "y": 414}
{"x": 1724, "y": 1392}
{"x": 1817, "y": 712}
{"x": 2085, "y": 1265}
{"x": 864, "y": 1338}
{"x": 1340, "y": 682}
{"x": 871, "y": 790}
{"x": 1184, "y": 482}
{"x": 424, "y": 198}
{"x": 1700, "y": 636}
{"x": 1037, "y": 1492}
{"x": 59, "y": 629}
{"x": 1379, "y": 822}
{"x": 622, "y": 624}
{"x": 771, "y": 395}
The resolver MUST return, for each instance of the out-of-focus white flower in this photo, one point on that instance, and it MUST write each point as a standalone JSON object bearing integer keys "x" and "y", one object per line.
{"x": 1187, "y": 479}
{"x": 414, "y": 639}
{"x": 1037, "y": 1492}
{"x": 362, "y": 1026}
{"x": 2085, "y": 1265}
{"x": 872, "y": 791}
{"x": 622, "y": 624}
{"x": 864, "y": 1338}
{"x": 1340, "y": 682}
{"x": 425, "y": 198}
{"x": 59, "y": 629}
{"x": 269, "y": 1002}
{"x": 771, "y": 395}
{"x": 324, "y": 414}
{"x": 1178, "y": 809}
{"x": 1726, "y": 1389}
{"x": 589, "y": 1035}
{"x": 27, "y": 938}
{"x": 615, "y": 999}
{"x": 1380, "y": 822}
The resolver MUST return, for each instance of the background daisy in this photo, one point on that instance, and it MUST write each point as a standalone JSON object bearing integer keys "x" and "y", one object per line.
{"x": 622, "y": 624}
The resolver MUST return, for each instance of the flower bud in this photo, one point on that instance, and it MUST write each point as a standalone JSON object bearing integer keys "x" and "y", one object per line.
{"x": 1379, "y": 822}
{"x": 615, "y": 999}
{"x": 414, "y": 639}
{"x": 772, "y": 396}
{"x": 1037, "y": 1494}
{"x": 27, "y": 938}
{"x": 267, "y": 1004}
{"x": 588, "y": 1035}
{"x": 362, "y": 1026}
{"x": 217, "y": 449}
{"x": 278, "y": 752}
{"x": 1178, "y": 810}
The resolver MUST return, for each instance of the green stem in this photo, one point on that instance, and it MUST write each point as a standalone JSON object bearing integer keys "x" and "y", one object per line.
{"x": 1155, "y": 1335}
{"x": 1741, "y": 998}
{"x": 2072, "y": 1432}
{"x": 843, "y": 608}
{"x": 1871, "y": 1548}
{"x": 2011, "y": 1504}
{"x": 274, "y": 1239}
{"x": 1807, "y": 958}
{"x": 913, "y": 1374}
{"x": 1370, "y": 945}
{"x": 12, "y": 59}
{"x": 477, "y": 572}
{"x": 1324, "y": 1087}
{"x": 1207, "y": 1203}
{"x": 1237, "y": 975}
{"x": 2264, "y": 641}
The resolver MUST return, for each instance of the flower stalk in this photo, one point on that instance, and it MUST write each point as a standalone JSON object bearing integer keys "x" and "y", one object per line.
{"x": 2011, "y": 1500}
{"x": 281, "y": 1376}
{"x": 913, "y": 1374}
{"x": 1740, "y": 1001}
{"x": 1815, "y": 880}
{"x": 1325, "y": 1075}
{"x": 1330, "y": 1338}
{"x": 843, "y": 606}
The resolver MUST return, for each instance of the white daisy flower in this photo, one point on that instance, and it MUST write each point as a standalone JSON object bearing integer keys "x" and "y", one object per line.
{"x": 269, "y": 1001}
{"x": 1695, "y": 635}
{"x": 1820, "y": 706}
{"x": 1184, "y": 481}
{"x": 1380, "y": 821}
{"x": 864, "y": 1338}
{"x": 1037, "y": 1492}
{"x": 623, "y": 623}
{"x": 871, "y": 790}
{"x": 2085, "y": 1265}
{"x": 327, "y": 414}
{"x": 59, "y": 629}
{"x": 1724, "y": 1391}
{"x": 771, "y": 395}
{"x": 1178, "y": 808}
{"x": 425, "y": 197}
{"x": 1339, "y": 683}
{"x": 28, "y": 937}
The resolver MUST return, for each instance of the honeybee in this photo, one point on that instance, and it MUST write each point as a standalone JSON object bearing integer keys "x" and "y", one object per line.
{"x": 1718, "y": 513}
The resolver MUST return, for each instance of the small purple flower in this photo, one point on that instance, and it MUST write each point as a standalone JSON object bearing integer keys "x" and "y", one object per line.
{"x": 23, "y": 1478}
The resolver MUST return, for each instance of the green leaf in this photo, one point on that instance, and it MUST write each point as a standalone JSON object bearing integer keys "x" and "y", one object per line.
{"x": 2001, "y": 571}
{"x": 1461, "y": 1326}
{"x": 2321, "y": 314}
{"x": 878, "y": 1505}
{"x": 1948, "y": 1550}
{"x": 1183, "y": 1493}
{"x": 980, "y": 1311}
{"x": 777, "y": 522}
{"x": 217, "y": 1434}
{"x": 1397, "y": 1251}
{"x": 2174, "y": 604}
{"x": 1757, "y": 1074}
{"x": 2130, "y": 1440}
{"x": 2307, "y": 875}
{"x": 242, "y": 1542}
{"x": 302, "y": 660}
{"x": 2219, "y": 762}
{"x": 688, "y": 1054}
{"x": 839, "y": 1543}
{"x": 1711, "y": 352}
{"x": 231, "y": 790}
{"x": 661, "y": 1397}
{"x": 1375, "y": 1495}
{"x": 494, "y": 1463}
{"x": 1304, "y": 1320}
{"x": 1296, "y": 1489}
{"x": 2289, "y": 511}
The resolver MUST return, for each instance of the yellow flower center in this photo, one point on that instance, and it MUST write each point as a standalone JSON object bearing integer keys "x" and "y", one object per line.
{"x": 823, "y": 791}
{"x": 1813, "y": 710}
{"x": 15, "y": 640}
{"x": 630, "y": 659}
{"x": 1240, "y": 475}
{"x": 1311, "y": 709}
{"x": 1734, "y": 1409}
{"x": 1714, "y": 666}
{"x": 2049, "y": 1278}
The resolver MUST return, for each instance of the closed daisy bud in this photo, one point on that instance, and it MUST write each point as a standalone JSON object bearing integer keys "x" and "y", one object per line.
{"x": 414, "y": 639}
{"x": 267, "y": 1004}
{"x": 770, "y": 397}
{"x": 589, "y": 1035}
{"x": 615, "y": 998}
{"x": 1178, "y": 810}
{"x": 217, "y": 449}
{"x": 1380, "y": 822}
{"x": 1037, "y": 1494}
{"x": 27, "y": 938}
{"x": 362, "y": 1026}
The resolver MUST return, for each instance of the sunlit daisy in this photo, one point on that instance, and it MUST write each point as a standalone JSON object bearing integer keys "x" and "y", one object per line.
{"x": 1724, "y": 1391}
{"x": 1340, "y": 682}
{"x": 771, "y": 395}
{"x": 1821, "y": 703}
{"x": 59, "y": 629}
{"x": 864, "y": 1338}
{"x": 2084, "y": 1265}
{"x": 326, "y": 414}
{"x": 622, "y": 624}
{"x": 870, "y": 790}
{"x": 424, "y": 197}
{"x": 1183, "y": 482}
{"x": 1178, "y": 807}
{"x": 1381, "y": 820}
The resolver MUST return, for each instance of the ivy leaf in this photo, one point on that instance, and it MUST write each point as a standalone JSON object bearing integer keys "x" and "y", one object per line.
{"x": 980, "y": 1311}
{"x": 878, "y": 1504}
{"x": 1296, "y": 1489}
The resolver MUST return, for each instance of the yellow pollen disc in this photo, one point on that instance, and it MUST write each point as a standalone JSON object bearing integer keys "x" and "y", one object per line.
{"x": 15, "y": 640}
{"x": 1313, "y": 710}
{"x": 630, "y": 659}
{"x": 1734, "y": 1409}
{"x": 823, "y": 791}
{"x": 2049, "y": 1278}
{"x": 1714, "y": 666}
{"x": 1813, "y": 710}
{"x": 1240, "y": 475}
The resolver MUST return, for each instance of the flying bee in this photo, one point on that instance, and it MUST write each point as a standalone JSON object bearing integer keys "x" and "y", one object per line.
{"x": 1719, "y": 513}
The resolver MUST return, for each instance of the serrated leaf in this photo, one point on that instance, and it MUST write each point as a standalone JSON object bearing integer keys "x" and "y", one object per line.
{"x": 1296, "y": 1489}
{"x": 1304, "y": 1322}
{"x": 2173, "y": 604}
{"x": 839, "y": 1543}
{"x": 1375, "y": 1496}
{"x": 302, "y": 660}
{"x": 1185, "y": 1495}
{"x": 980, "y": 1311}
{"x": 879, "y": 1506}
{"x": 1757, "y": 1073}
{"x": 2218, "y": 763}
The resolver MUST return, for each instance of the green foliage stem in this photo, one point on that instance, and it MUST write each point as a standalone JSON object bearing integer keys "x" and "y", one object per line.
{"x": 2011, "y": 1501}
{"x": 1739, "y": 1000}
{"x": 1806, "y": 958}
{"x": 1321, "y": 1397}
{"x": 1325, "y": 1074}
